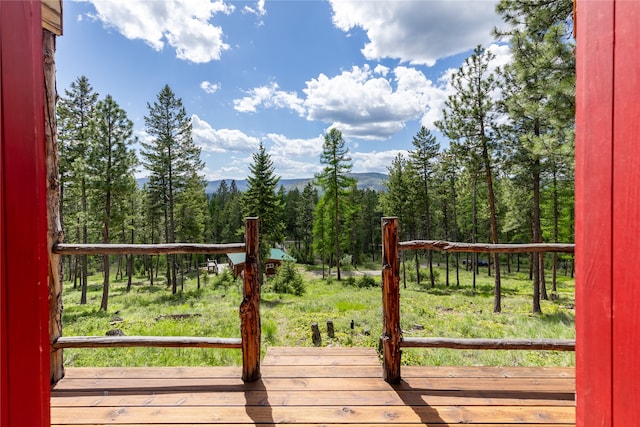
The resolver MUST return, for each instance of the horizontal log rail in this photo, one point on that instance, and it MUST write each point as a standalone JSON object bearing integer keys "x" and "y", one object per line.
{"x": 489, "y": 344}
{"x": 392, "y": 340}
{"x": 249, "y": 310}
{"x": 441, "y": 245}
{"x": 146, "y": 249}
{"x": 146, "y": 341}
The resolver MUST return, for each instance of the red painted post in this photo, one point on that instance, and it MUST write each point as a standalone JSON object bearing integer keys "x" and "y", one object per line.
{"x": 594, "y": 183}
{"x": 250, "y": 307}
{"x": 391, "y": 332}
{"x": 24, "y": 332}
{"x": 626, "y": 212}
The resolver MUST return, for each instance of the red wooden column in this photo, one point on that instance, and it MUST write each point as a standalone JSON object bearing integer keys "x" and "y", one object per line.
{"x": 626, "y": 215}
{"x": 607, "y": 213}
{"x": 24, "y": 342}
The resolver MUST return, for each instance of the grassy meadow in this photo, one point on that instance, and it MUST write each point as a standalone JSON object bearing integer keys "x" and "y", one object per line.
{"x": 212, "y": 310}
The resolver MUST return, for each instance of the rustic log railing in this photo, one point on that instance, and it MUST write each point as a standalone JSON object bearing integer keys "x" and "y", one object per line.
{"x": 392, "y": 339}
{"x": 249, "y": 308}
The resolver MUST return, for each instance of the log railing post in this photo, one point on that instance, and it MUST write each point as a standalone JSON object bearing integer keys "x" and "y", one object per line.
{"x": 250, "y": 307}
{"x": 391, "y": 332}
{"x": 54, "y": 234}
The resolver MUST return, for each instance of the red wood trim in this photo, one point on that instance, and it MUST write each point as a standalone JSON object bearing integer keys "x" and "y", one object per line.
{"x": 594, "y": 126}
{"x": 626, "y": 213}
{"x": 24, "y": 279}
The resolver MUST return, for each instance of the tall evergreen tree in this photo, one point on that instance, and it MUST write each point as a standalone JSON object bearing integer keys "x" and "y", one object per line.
{"x": 304, "y": 222}
{"x": 171, "y": 157}
{"x": 110, "y": 167}
{"x": 423, "y": 158}
{"x": 470, "y": 119}
{"x": 335, "y": 182}
{"x": 539, "y": 99}
{"x": 75, "y": 111}
{"x": 262, "y": 201}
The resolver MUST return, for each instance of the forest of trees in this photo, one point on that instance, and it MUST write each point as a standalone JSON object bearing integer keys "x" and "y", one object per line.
{"x": 506, "y": 176}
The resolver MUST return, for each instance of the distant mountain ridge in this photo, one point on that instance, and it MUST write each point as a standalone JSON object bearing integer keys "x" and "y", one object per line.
{"x": 368, "y": 180}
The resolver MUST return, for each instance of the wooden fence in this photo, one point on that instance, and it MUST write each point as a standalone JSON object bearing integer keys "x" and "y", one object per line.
{"x": 392, "y": 339}
{"x": 249, "y": 341}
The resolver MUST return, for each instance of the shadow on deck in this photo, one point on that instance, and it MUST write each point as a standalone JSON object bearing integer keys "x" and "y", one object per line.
{"x": 313, "y": 387}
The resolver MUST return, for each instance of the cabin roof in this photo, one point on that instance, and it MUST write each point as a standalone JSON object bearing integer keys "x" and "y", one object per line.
{"x": 274, "y": 254}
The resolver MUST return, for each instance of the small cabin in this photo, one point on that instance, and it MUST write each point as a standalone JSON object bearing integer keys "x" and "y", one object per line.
{"x": 275, "y": 260}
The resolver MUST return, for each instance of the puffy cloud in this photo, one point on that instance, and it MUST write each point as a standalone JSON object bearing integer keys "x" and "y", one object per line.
{"x": 296, "y": 147}
{"x": 418, "y": 32}
{"x": 269, "y": 97}
{"x": 184, "y": 24}
{"x": 221, "y": 140}
{"x": 259, "y": 10}
{"x": 374, "y": 161}
{"x": 363, "y": 104}
{"x": 209, "y": 87}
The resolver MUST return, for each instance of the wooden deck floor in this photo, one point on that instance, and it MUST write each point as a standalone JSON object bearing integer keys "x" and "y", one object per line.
{"x": 315, "y": 387}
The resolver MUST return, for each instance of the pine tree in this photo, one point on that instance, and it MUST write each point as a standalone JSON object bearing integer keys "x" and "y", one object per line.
{"x": 539, "y": 99}
{"x": 470, "y": 120}
{"x": 304, "y": 221}
{"x": 171, "y": 157}
{"x": 261, "y": 200}
{"x": 75, "y": 111}
{"x": 110, "y": 168}
{"x": 335, "y": 182}
{"x": 423, "y": 159}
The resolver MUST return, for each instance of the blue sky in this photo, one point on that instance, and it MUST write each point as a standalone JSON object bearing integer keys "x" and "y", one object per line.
{"x": 279, "y": 72}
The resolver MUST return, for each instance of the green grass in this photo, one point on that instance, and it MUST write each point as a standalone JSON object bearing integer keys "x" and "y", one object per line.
{"x": 286, "y": 319}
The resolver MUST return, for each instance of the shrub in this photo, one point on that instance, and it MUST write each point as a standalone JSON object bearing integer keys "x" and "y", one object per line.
{"x": 223, "y": 280}
{"x": 366, "y": 281}
{"x": 287, "y": 280}
{"x": 349, "y": 281}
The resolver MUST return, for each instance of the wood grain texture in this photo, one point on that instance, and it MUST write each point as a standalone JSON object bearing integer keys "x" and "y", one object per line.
{"x": 146, "y": 249}
{"x": 441, "y": 245}
{"x": 594, "y": 183}
{"x": 489, "y": 344}
{"x": 391, "y": 331}
{"x": 24, "y": 331}
{"x": 146, "y": 341}
{"x": 250, "y": 306}
{"x": 626, "y": 212}
{"x": 291, "y": 395}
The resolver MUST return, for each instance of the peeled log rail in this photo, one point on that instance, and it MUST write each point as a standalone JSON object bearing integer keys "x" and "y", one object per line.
{"x": 146, "y": 341}
{"x": 441, "y": 245}
{"x": 489, "y": 344}
{"x": 156, "y": 249}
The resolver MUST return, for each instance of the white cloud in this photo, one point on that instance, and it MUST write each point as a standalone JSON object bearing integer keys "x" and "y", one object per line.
{"x": 374, "y": 161}
{"x": 283, "y": 146}
{"x": 259, "y": 10}
{"x": 366, "y": 106}
{"x": 220, "y": 140}
{"x": 183, "y": 24}
{"x": 418, "y": 32}
{"x": 269, "y": 97}
{"x": 209, "y": 87}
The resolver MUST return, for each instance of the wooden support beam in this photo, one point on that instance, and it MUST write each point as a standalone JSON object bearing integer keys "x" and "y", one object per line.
{"x": 441, "y": 245}
{"x": 139, "y": 249}
{"x": 489, "y": 344}
{"x": 250, "y": 307}
{"x": 146, "y": 341}
{"x": 391, "y": 332}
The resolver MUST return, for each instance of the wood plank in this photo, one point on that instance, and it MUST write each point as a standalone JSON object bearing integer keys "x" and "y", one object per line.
{"x": 325, "y": 414}
{"x": 593, "y": 194}
{"x": 328, "y": 384}
{"x": 626, "y": 211}
{"x": 321, "y": 425}
{"x": 487, "y": 371}
{"x": 306, "y": 351}
{"x": 323, "y": 372}
{"x": 321, "y": 360}
{"x": 314, "y": 398}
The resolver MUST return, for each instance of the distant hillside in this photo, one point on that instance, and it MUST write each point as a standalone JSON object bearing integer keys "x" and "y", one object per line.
{"x": 371, "y": 180}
